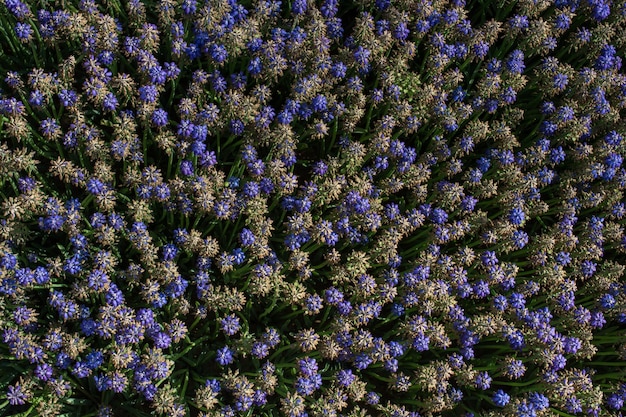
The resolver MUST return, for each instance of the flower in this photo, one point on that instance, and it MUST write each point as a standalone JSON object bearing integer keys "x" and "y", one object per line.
{"x": 500, "y": 398}
{"x": 299, "y": 7}
{"x": 17, "y": 394}
{"x": 482, "y": 381}
{"x": 224, "y": 356}
{"x": 345, "y": 377}
{"x": 148, "y": 93}
{"x": 230, "y": 325}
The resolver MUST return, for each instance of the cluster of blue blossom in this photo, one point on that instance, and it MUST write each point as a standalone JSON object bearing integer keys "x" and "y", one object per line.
{"x": 221, "y": 208}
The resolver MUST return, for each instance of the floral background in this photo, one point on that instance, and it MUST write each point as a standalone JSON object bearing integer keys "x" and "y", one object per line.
{"x": 312, "y": 208}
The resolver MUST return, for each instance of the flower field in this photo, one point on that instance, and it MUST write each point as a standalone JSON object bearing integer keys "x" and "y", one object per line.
{"x": 312, "y": 208}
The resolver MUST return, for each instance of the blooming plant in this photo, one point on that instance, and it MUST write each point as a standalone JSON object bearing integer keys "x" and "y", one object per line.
{"x": 312, "y": 208}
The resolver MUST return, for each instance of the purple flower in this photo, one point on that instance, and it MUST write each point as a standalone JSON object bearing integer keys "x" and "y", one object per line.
{"x": 148, "y": 93}
{"x": 114, "y": 296}
{"x": 338, "y": 70}
{"x": 518, "y": 22}
{"x": 516, "y": 340}
{"x": 18, "y": 9}
{"x": 607, "y": 301}
{"x": 480, "y": 49}
{"x": 319, "y": 103}
{"x": 306, "y": 386}
{"x": 259, "y": 350}
{"x": 68, "y": 97}
{"x": 600, "y": 10}
{"x": 49, "y": 127}
{"x": 230, "y": 325}
{"x": 218, "y": 53}
{"x": 246, "y": 237}
{"x": 308, "y": 366}
{"x": 482, "y": 381}
{"x": 588, "y": 268}
{"x": 16, "y": 395}
{"x": 519, "y": 239}
{"x": 515, "y": 62}
{"x": 265, "y": 117}
{"x": 397, "y": 309}
{"x": 109, "y": 103}
{"x": 299, "y": 7}
{"x": 517, "y": 300}
{"x": 320, "y": 168}
{"x": 438, "y": 216}
{"x": 159, "y": 117}
{"x": 517, "y": 216}
{"x": 401, "y": 31}
{"x": 362, "y": 361}
{"x": 608, "y": 59}
{"x": 539, "y": 401}
{"x": 613, "y": 138}
{"x": 501, "y": 398}
{"x": 515, "y": 369}
{"x": 421, "y": 342}
{"x": 616, "y": 401}
{"x": 558, "y": 362}
{"x": 345, "y": 377}
{"x": 597, "y": 320}
{"x": 271, "y": 337}
{"x": 489, "y": 258}
{"x": 24, "y": 31}
{"x": 396, "y": 349}
{"x": 525, "y": 410}
{"x": 333, "y": 296}
{"x": 43, "y": 371}
{"x": 313, "y": 304}
{"x": 95, "y": 186}
{"x": 36, "y": 98}
{"x": 186, "y": 168}
{"x": 225, "y": 356}
{"x": 169, "y": 252}
{"x": 573, "y": 405}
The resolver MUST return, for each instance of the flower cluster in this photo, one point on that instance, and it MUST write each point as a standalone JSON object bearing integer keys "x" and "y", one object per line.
{"x": 223, "y": 208}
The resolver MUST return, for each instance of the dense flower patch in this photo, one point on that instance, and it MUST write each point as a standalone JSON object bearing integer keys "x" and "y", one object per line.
{"x": 312, "y": 208}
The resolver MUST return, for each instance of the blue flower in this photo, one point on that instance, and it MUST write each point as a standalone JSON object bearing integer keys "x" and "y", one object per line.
{"x": 225, "y": 356}
{"x": 401, "y": 31}
{"x": 299, "y": 7}
{"x": 230, "y": 325}
{"x": 43, "y": 372}
{"x": 109, "y": 103}
{"x": 607, "y": 301}
{"x": 501, "y": 398}
{"x": 588, "y": 268}
{"x": 24, "y": 31}
{"x": 148, "y": 93}
{"x": 362, "y": 361}
{"x": 338, "y": 70}
{"x": 519, "y": 239}
{"x": 438, "y": 216}
{"x": 421, "y": 342}
{"x": 16, "y": 395}
{"x": 515, "y": 62}
{"x": 159, "y": 117}
{"x": 573, "y": 405}
{"x": 600, "y": 10}
{"x": 517, "y": 216}
{"x": 259, "y": 350}
{"x": 525, "y": 410}
{"x": 616, "y": 401}
{"x": 482, "y": 380}
{"x": 307, "y": 366}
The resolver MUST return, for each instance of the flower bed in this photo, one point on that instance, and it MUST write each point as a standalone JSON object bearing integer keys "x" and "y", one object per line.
{"x": 375, "y": 208}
